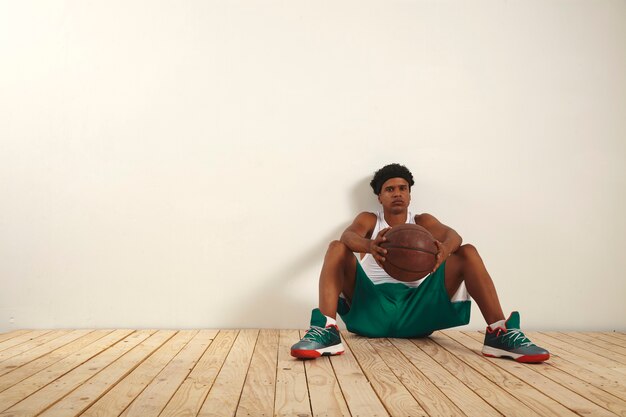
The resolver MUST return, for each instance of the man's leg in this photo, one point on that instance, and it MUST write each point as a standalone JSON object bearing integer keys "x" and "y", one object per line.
{"x": 338, "y": 275}
{"x": 466, "y": 265}
{"x": 504, "y": 340}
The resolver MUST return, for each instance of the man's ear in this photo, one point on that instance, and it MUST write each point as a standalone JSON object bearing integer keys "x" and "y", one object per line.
{"x": 379, "y": 199}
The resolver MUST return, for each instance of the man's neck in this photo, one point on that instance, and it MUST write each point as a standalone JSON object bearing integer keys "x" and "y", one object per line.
{"x": 394, "y": 219}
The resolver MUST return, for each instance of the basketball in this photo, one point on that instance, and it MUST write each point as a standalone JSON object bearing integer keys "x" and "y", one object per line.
{"x": 411, "y": 252}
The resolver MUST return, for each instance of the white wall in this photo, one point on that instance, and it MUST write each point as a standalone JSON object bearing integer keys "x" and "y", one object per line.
{"x": 185, "y": 164}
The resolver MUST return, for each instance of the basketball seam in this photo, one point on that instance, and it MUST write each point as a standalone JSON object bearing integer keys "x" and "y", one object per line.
{"x": 409, "y": 248}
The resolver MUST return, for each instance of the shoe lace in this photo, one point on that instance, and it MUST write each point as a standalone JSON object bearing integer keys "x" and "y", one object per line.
{"x": 516, "y": 338}
{"x": 314, "y": 332}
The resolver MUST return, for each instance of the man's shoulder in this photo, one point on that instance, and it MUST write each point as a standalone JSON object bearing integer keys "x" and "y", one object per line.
{"x": 366, "y": 216}
{"x": 367, "y": 219}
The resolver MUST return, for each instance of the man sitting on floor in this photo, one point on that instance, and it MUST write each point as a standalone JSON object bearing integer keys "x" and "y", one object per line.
{"x": 372, "y": 303}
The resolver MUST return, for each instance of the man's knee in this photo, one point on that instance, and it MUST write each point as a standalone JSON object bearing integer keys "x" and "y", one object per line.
{"x": 336, "y": 245}
{"x": 338, "y": 249}
{"x": 467, "y": 251}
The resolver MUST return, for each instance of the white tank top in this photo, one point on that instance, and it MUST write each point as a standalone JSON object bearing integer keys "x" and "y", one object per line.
{"x": 375, "y": 273}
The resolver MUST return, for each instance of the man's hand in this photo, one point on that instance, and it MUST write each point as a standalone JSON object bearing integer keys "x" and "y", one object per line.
{"x": 442, "y": 254}
{"x": 374, "y": 247}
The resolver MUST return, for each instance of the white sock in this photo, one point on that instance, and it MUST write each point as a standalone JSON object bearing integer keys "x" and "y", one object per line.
{"x": 330, "y": 320}
{"x": 499, "y": 323}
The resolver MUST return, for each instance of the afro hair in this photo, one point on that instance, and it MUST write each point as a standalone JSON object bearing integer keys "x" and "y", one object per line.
{"x": 390, "y": 171}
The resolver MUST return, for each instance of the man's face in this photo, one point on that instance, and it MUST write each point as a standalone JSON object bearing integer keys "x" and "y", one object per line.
{"x": 395, "y": 195}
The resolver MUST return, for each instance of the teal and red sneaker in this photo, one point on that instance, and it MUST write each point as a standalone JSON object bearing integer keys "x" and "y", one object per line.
{"x": 322, "y": 339}
{"x": 512, "y": 343}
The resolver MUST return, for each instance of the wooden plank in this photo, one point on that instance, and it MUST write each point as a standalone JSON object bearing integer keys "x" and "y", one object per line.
{"x": 618, "y": 335}
{"x": 464, "y": 398}
{"x": 324, "y": 391}
{"x": 12, "y": 334}
{"x": 598, "y": 339}
{"x": 603, "y": 378}
{"x": 530, "y": 396}
{"x": 292, "y": 396}
{"x": 258, "y": 395}
{"x": 599, "y": 347}
{"x": 580, "y": 348}
{"x": 357, "y": 391}
{"x": 395, "y": 397}
{"x": 33, "y": 383}
{"x": 53, "y": 392}
{"x": 602, "y": 391}
{"x": 533, "y": 375}
{"x": 115, "y": 401}
{"x": 431, "y": 399}
{"x": 59, "y": 376}
{"x": 608, "y": 338}
{"x": 224, "y": 395}
{"x": 29, "y": 345}
{"x": 20, "y": 373}
{"x": 578, "y": 356}
{"x": 32, "y": 354}
{"x": 492, "y": 393}
{"x": 189, "y": 397}
{"x": 155, "y": 397}
{"x": 22, "y": 338}
{"x": 91, "y": 390}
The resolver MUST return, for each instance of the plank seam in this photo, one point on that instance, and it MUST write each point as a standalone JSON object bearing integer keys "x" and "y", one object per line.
{"x": 339, "y": 383}
{"x": 368, "y": 379}
{"x": 256, "y": 342}
{"x": 276, "y": 372}
{"x": 218, "y": 372}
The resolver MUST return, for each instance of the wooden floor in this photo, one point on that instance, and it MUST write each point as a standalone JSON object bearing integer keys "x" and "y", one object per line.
{"x": 250, "y": 373}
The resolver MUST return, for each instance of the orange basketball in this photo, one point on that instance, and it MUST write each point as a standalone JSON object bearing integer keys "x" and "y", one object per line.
{"x": 411, "y": 252}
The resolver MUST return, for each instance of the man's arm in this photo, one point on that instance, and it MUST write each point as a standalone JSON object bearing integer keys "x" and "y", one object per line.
{"x": 357, "y": 237}
{"x": 448, "y": 240}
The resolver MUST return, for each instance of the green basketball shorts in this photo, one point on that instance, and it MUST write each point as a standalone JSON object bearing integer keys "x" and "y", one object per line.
{"x": 395, "y": 310}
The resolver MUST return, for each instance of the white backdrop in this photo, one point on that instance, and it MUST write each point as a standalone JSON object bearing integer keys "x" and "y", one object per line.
{"x": 185, "y": 164}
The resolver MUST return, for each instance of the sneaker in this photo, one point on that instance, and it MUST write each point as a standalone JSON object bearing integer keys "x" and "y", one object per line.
{"x": 321, "y": 340}
{"x": 512, "y": 343}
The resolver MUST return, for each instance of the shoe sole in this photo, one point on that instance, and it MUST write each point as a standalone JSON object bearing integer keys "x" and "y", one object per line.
{"x": 491, "y": 352}
{"x": 316, "y": 353}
